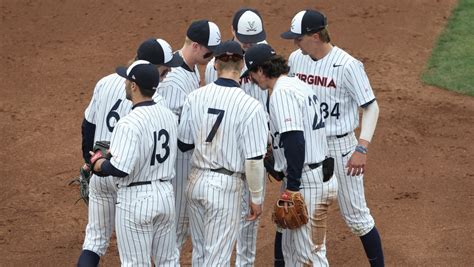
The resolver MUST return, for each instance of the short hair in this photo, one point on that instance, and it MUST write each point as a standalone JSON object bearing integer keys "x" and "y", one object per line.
{"x": 229, "y": 62}
{"x": 146, "y": 92}
{"x": 274, "y": 67}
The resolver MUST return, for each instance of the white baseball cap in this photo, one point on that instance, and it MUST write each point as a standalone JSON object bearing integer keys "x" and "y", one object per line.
{"x": 248, "y": 26}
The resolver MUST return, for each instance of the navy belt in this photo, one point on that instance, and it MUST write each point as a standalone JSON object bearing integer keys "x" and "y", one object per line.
{"x": 223, "y": 171}
{"x": 313, "y": 166}
{"x": 143, "y": 183}
{"x": 342, "y": 135}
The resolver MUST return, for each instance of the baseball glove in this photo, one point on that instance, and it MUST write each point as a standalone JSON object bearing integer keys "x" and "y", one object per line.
{"x": 83, "y": 181}
{"x": 269, "y": 164}
{"x": 290, "y": 211}
{"x": 101, "y": 151}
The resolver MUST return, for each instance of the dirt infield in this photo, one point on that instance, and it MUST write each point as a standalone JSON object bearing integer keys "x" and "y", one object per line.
{"x": 420, "y": 179}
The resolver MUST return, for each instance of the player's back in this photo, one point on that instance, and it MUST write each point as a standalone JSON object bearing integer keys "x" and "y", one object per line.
{"x": 291, "y": 93}
{"x": 108, "y": 105}
{"x": 246, "y": 84}
{"x": 221, "y": 125}
{"x": 150, "y": 144}
{"x": 178, "y": 83}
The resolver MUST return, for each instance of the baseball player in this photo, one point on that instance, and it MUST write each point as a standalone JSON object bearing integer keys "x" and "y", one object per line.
{"x": 143, "y": 148}
{"x": 247, "y": 30}
{"x": 202, "y": 37}
{"x": 300, "y": 151}
{"x": 341, "y": 84}
{"x": 107, "y": 106}
{"x": 228, "y": 130}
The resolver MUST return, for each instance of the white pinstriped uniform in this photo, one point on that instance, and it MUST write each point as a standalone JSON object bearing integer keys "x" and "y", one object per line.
{"x": 144, "y": 145}
{"x": 294, "y": 107}
{"x": 340, "y": 82}
{"x": 247, "y": 236}
{"x": 227, "y": 126}
{"x": 174, "y": 89}
{"x": 107, "y": 106}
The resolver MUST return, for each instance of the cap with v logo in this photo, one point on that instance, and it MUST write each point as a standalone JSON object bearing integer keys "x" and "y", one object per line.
{"x": 304, "y": 22}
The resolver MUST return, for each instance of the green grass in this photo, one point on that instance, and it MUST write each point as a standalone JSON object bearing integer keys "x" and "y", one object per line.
{"x": 451, "y": 65}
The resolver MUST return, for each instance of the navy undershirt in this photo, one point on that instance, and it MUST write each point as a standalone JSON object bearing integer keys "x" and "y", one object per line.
{"x": 294, "y": 145}
{"x": 88, "y": 131}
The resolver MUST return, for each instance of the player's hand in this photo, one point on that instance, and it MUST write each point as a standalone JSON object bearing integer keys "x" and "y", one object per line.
{"x": 356, "y": 164}
{"x": 255, "y": 211}
{"x": 86, "y": 167}
{"x": 96, "y": 161}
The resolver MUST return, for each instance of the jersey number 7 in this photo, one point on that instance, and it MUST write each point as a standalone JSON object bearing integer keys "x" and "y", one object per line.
{"x": 220, "y": 116}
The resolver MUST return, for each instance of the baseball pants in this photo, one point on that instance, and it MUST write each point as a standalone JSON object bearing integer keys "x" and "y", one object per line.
{"x": 101, "y": 214}
{"x": 214, "y": 215}
{"x": 351, "y": 196}
{"x": 183, "y": 167}
{"x": 145, "y": 224}
{"x": 305, "y": 246}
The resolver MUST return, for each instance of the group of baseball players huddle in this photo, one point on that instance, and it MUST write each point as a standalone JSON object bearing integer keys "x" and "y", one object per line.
{"x": 188, "y": 160}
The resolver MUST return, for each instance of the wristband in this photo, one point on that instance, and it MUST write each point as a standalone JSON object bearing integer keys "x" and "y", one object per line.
{"x": 361, "y": 149}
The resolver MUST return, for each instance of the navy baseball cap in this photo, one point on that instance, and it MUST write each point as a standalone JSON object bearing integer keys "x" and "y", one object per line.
{"x": 229, "y": 48}
{"x": 141, "y": 72}
{"x": 256, "y": 56}
{"x": 159, "y": 52}
{"x": 205, "y": 33}
{"x": 306, "y": 21}
{"x": 248, "y": 26}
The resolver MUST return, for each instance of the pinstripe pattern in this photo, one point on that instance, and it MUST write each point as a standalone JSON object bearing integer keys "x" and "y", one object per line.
{"x": 173, "y": 90}
{"x": 293, "y": 108}
{"x": 247, "y": 237}
{"x": 351, "y": 194}
{"x": 146, "y": 213}
{"x": 351, "y": 90}
{"x": 214, "y": 203}
{"x": 145, "y": 219}
{"x": 108, "y": 91}
{"x": 341, "y": 89}
{"x": 305, "y": 246}
{"x": 215, "y": 199}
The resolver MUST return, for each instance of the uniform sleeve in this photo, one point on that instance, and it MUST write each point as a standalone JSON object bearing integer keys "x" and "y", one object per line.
{"x": 124, "y": 147}
{"x": 255, "y": 134}
{"x": 90, "y": 113}
{"x": 285, "y": 111}
{"x": 211, "y": 73}
{"x": 357, "y": 83}
{"x": 184, "y": 128}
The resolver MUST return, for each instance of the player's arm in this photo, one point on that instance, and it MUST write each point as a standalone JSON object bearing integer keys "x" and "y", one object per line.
{"x": 185, "y": 137}
{"x": 255, "y": 136}
{"x": 294, "y": 146}
{"x": 123, "y": 147}
{"x": 359, "y": 87}
{"x": 88, "y": 132}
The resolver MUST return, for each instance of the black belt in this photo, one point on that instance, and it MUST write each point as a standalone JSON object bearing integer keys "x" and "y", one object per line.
{"x": 223, "y": 171}
{"x": 342, "y": 135}
{"x": 143, "y": 183}
{"x": 313, "y": 166}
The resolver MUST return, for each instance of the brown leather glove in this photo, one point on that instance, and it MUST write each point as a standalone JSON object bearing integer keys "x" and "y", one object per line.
{"x": 290, "y": 210}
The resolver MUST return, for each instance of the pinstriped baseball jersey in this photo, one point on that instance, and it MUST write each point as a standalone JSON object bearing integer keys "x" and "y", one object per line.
{"x": 246, "y": 84}
{"x": 341, "y": 84}
{"x": 144, "y": 144}
{"x": 107, "y": 106}
{"x": 295, "y": 107}
{"x": 225, "y": 125}
{"x": 178, "y": 83}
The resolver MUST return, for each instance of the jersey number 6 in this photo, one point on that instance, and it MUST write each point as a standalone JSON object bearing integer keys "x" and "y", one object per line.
{"x": 164, "y": 146}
